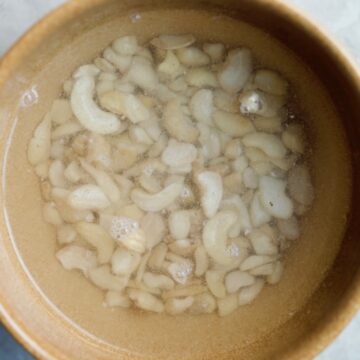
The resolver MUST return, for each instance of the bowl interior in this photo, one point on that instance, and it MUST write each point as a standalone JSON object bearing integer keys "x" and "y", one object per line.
{"x": 284, "y": 313}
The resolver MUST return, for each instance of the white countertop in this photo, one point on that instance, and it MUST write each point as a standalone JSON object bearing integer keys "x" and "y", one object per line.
{"x": 341, "y": 18}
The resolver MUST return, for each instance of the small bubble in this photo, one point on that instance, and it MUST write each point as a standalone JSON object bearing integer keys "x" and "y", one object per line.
{"x": 135, "y": 17}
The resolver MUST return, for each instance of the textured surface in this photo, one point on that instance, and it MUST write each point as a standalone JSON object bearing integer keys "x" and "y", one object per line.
{"x": 340, "y": 17}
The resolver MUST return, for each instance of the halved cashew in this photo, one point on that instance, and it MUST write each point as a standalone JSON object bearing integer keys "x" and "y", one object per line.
{"x": 154, "y": 228}
{"x": 51, "y": 214}
{"x": 142, "y": 74}
{"x": 171, "y": 66}
{"x": 178, "y": 154}
{"x": 225, "y": 101}
{"x": 260, "y": 103}
{"x": 152, "y": 128}
{"x": 201, "y": 77}
{"x": 88, "y": 197}
{"x": 131, "y": 211}
{"x": 132, "y": 284}
{"x": 88, "y": 113}
{"x": 141, "y": 268}
{"x": 203, "y": 304}
{"x": 215, "y": 236}
{"x": 117, "y": 298}
{"x": 259, "y": 215}
{"x": 263, "y": 270}
{"x": 106, "y": 183}
{"x": 233, "y": 149}
{"x": 210, "y": 141}
{"x": 125, "y": 104}
{"x": 273, "y": 197}
{"x": 65, "y": 234}
{"x": 124, "y": 262}
{"x": 270, "y": 144}
{"x": 227, "y": 305}
{"x": 146, "y": 301}
{"x": 300, "y": 186}
{"x": 68, "y": 213}
{"x": 201, "y": 261}
{"x": 254, "y": 261}
{"x": 181, "y": 271}
{"x": 237, "y": 279}
{"x": 172, "y": 42}
{"x": 192, "y": 56}
{"x": 184, "y": 291}
{"x": 233, "y": 124}
{"x": 262, "y": 243}
{"x": 290, "y": 228}
{"x": 175, "y": 306}
{"x": 236, "y": 204}
{"x": 275, "y": 277}
{"x": 268, "y": 124}
{"x": 97, "y": 237}
{"x": 77, "y": 257}
{"x": 157, "y": 256}
{"x": 215, "y": 282}
{"x": 40, "y": 143}
{"x": 179, "y": 224}
{"x": 216, "y": 51}
{"x": 104, "y": 279}
{"x": 201, "y": 106}
{"x": 270, "y": 82}
{"x": 56, "y": 174}
{"x": 67, "y": 129}
{"x": 211, "y": 189}
{"x": 160, "y": 281}
{"x": 236, "y": 70}
{"x": 248, "y": 294}
{"x": 125, "y": 45}
{"x": 127, "y": 232}
{"x": 178, "y": 124}
{"x": 121, "y": 62}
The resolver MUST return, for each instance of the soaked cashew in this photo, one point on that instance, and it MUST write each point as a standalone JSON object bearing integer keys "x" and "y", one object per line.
{"x": 268, "y": 124}
{"x": 39, "y": 146}
{"x": 181, "y": 271}
{"x": 87, "y": 111}
{"x": 233, "y": 124}
{"x": 293, "y": 138}
{"x": 275, "y": 277}
{"x": 117, "y": 298}
{"x": 227, "y": 305}
{"x": 178, "y": 124}
{"x": 124, "y": 262}
{"x": 201, "y": 106}
{"x": 254, "y": 261}
{"x": 157, "y": 256}
{"x": 270, "y": 144}
{"x": 192, "y": 56}
{"x": 262, "y": 243}
{"x": 300, "y": 186}
{"x": 259, "y": 215}
{"x": 236, "y": 280}
{"x": 126, "y": 45}
{"x": 56, "y": 174}
{"x": 248, "y": 294}
{"x": 121, "y": 62}
{"x": 127, "y": 105}
{"x": 104, "y": 279}
{"x": 179, "y": 224}
{"x": 201, "y": 261}
{"x": 146, "y": 301}
{"x": 270, "y": 82}
{"x": 158, "y": 201}
{"x": 172, "y": 42}
{"x": 176, "y": 306}
{"x": 216, "y": 51}
{"x": 203, "y": 304}
{"x": 97, "y": 237}
{"x": 225, "y": 101}
{"x": 171, "y": 66}
{"x": 76, "y": 257}
{"x": 178, "y": 154}
{"x": 201, "y": 77}
{"x": 211, "y": 189}
{"x": 236, "y": 71}
{"x": 51, "y": 215}
{"x": 88, "y": 197}
{"x": 160, "y": 281}
{"x": 290, "y": 228}
{"x": 154, "y": 228}
{"x": 273, "y": 197}
{"x": 210, "y": 140}
{"x": 215, "y": 282}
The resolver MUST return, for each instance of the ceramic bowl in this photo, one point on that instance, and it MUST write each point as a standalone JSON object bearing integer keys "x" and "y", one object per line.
{"x": 58, "y": 315}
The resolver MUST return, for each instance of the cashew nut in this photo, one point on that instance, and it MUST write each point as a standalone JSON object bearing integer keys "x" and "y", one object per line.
{"x": 175, "y": 306}
{"x": 125, "y": 45}
{"x": 172, "y": 42}
{"x": 153, "y": 226}
{"x": 97, "y": 237}
{"x": 201, "y": 261}
{"x": 300, "y": 186}
{"x": 158, "y": 201}
{"x": 86, "y": 110}
{"x": 262, "y": 243}
{"x": 201, "y": 106}
{"x": 227, "y": 305}
{"x": 233, "y": 124}
{"x": 124, "y": 262}
{"x": 201, "y": 77}
{"x": 270, "y": 144}
{"x": 216, "y": 51}
{"x": 248, "y": 294}
{"x": 104, "y": 279}
{"x": 237, "y": 279}
{"x": 273, "y": 197}
{"x": 215, "y": 283}
{"x": 178, "y": 154}
{"x": 160, "y": 281}
{"x": 259, "y": 215}
{"x": 236, "y": 70}
{"x": 179, "y": 224}
{"x": 117, "y": 298}
{"x": 211, "y": 189}
{"x": 178, "y": 124}
{"x": 192, "y": 56}
{"x": 88, "y": 197}
{"x": 77, "y": 257}
{"x": 270, "y": 82}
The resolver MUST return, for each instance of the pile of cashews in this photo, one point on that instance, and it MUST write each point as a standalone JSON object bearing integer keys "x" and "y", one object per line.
{"x": 173, "y": 174}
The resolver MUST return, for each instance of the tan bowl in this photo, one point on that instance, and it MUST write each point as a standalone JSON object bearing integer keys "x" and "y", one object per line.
{"x": 58, "y": 314}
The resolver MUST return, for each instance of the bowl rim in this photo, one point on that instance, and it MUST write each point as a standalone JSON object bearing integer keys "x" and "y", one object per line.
{"x": 336, "y": 321}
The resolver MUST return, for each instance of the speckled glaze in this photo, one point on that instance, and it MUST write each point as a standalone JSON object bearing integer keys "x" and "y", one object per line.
{"x": 54, "y": 313}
